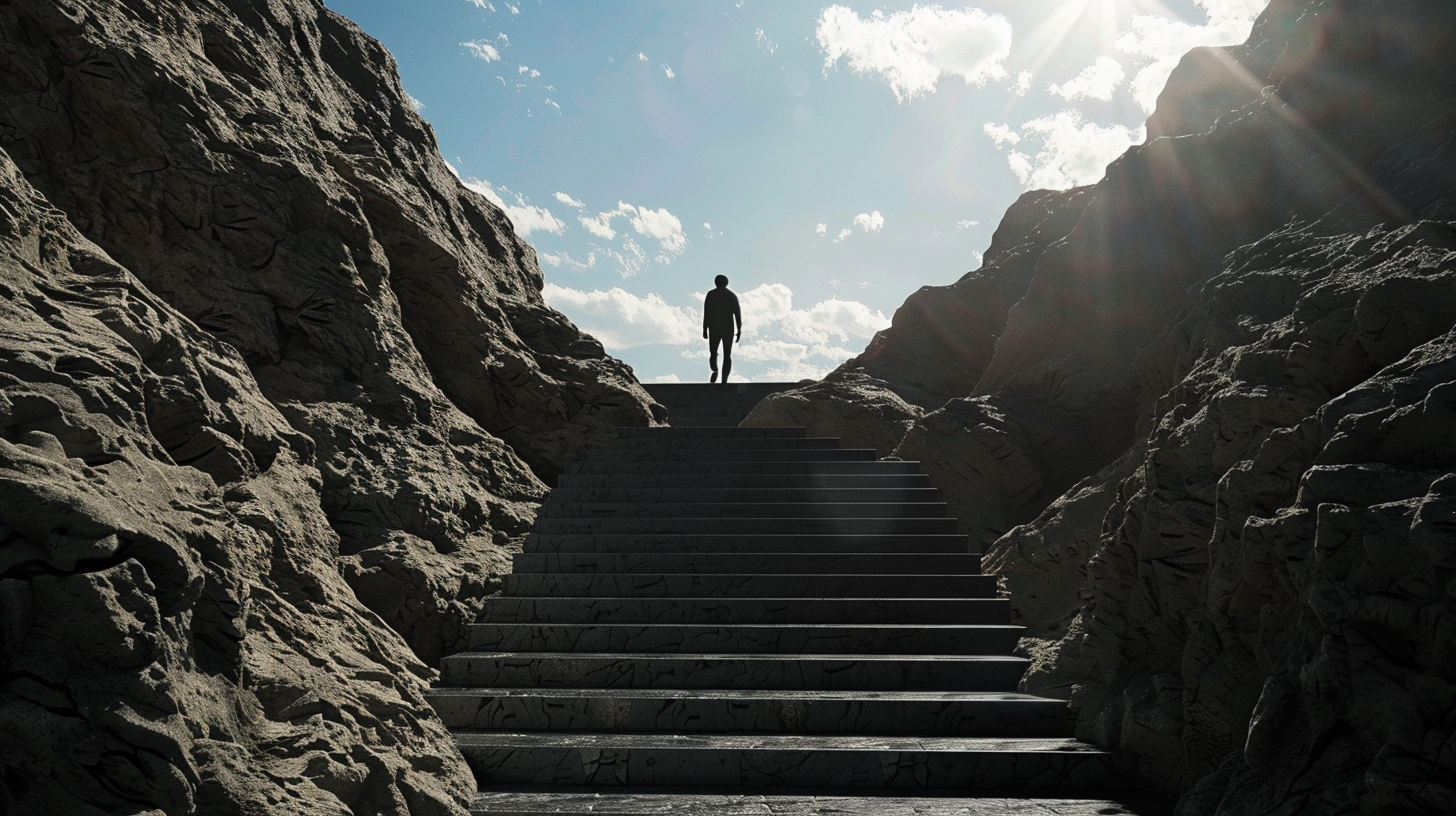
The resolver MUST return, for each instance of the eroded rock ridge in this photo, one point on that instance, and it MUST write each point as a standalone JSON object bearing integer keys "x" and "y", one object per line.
{"x": 276, "y": 393}
{"x": 1199, "y": 414}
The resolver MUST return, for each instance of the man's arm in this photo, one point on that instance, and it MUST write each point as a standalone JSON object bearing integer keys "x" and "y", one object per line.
{"x": 738, "y": 319}
{"x": 705, "y": 315}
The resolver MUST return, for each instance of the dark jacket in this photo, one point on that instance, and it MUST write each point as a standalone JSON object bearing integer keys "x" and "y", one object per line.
{"x": 720, "y": 312}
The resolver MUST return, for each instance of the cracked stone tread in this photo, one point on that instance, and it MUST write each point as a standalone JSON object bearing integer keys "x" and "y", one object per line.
{"x": 512, "y": 803}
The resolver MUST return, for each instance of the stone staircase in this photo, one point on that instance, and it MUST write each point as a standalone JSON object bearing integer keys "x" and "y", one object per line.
{"x": 753, "y": 613}
{"x": 699, "y": 405}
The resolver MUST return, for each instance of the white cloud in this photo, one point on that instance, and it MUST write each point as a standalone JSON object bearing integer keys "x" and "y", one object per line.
{"x": 524, "y": 217}
{"x": 844, "y": 233}
{"x": 485, "y": 4}
{"x": 414, "y": 103}
{"x": 641, "y": 57}
{"x": 600, "y": 225}
{"x": 514, "y": 9}
{"x": 764, "y": 43}
{"x": 659, "y": 225}
{"x": 527, "y": 71}
{"x": 961, "y": 226}
{"x": 667, "y": 70}
{"x": 707, "y": 230}
{"x": 1073, "y": 152}
{"x": 622, "y": 320}
{"x": 870, "y": 222}
{"x": 666, "y": 378}
{"x": 911, "y": 50}
{"x": 560, "y": 259}
{"x": 482, "y": 50}
{"x": 1023, "y": 82}
{"x": 1160, "y": 42}
{"x": 1001, "y": 134}
{"x": 569, "y": 201}
{"x": 1100, "y": 80}
{"x": 821, "y": 229}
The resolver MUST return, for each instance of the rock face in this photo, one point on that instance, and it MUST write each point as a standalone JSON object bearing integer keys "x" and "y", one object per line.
{"x": 1203, "y": 425}
{"x": 276, "y": 395}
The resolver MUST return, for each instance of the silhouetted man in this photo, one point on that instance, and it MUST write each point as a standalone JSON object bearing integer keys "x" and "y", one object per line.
{"x": 721, "y": 321}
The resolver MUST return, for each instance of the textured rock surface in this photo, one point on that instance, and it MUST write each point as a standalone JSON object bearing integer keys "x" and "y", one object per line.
{"x": 277, "y": 391}
{"x": 858, "y": 409}
{"x": 176, "y": 633}
{"x": 1218, "y": 411}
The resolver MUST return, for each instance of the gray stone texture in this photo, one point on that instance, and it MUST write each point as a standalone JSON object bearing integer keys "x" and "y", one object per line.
{"x": 647, "y": 669}
{"x": 1201, "y": 421}
{"x": 277, "y": 394}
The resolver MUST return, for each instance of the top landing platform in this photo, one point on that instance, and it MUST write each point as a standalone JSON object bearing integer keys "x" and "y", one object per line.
{"x": 702, "y": 405}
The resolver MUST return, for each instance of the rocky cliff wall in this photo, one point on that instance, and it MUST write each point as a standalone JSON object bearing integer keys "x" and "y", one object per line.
{"x": 277, "y": 394}
{"x": 1206, "y": 445}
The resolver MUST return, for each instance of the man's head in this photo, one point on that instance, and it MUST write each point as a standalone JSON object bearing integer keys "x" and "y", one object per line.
{"x": 720, "y": 281}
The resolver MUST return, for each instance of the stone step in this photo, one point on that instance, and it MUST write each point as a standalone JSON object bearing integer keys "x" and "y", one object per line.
{"x": 687, "y": 544}
{"x": 747, "y": 610}
{"x": 560, "y": 800}
{"x": 726, "y": 509}
{"x": 688, "y": 452}
{"x": 647, "y": 585}
{"x": 740, "y": 711}
{"x": 667, "y": 443}
{"x": 703, "y": 481}
{"x": 826, "y": 468}
{"x": 563, "y": 497}
{"x": 842, "y": 672}
{"x": 723, "y": 432}
{"x": 780, "y": 761}
{"x": 788, "y": 639}
{"x": 718, "y": 562}
{"x": 748, "y": 526}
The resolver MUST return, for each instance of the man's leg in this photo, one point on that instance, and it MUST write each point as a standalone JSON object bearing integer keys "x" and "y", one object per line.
{"x": 713, "y": 340}
{"x": 727, "y": 356}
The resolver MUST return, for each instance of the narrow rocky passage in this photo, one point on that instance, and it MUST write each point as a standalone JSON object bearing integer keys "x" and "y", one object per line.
{"x": 749, "y": 620}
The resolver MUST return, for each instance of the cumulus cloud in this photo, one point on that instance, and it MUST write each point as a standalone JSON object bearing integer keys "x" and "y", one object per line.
{"x": 485, "y": 4}
{"x": 1073, "y": 152}
{"x": 1100, "y": 80}
{"x": 844, "y": 233}
{"x": 667, "y": 70}
{"x": 1022, "y": 85}
{"x": 528, "y": 72}
{"x": 1160, "y": 42}
{"x": 482, "y": 50}
{"x": 622, "y": 320}
{"x": 641, "y": 57}
{"x": 911, "y": 50}
{"x": 524, "y": 217}
{"x": 569, "y": 201}
{"x": 1001, "y": 134}
{"x": 659, "y": 225}
{"x": 870, "y": 222}
{"x": 961, "y": 226}
{"x": 821, "y": 229}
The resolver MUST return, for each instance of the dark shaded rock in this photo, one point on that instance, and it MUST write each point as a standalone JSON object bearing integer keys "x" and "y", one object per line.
{"x": 275, "y": 390}
{"x": 1214, "y": 434}
{"x": 943, "y": 337}
{"x": 862, "y": 411}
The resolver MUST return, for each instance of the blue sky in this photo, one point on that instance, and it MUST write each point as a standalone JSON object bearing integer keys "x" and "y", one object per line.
{"x": 830, "y": 159}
